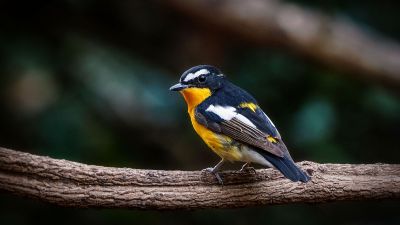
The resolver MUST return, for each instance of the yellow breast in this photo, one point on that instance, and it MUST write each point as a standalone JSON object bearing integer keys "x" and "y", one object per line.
{"x": 220, "y": 144}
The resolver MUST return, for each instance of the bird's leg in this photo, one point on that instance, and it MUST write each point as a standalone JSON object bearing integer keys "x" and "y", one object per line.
{"x": 247, "y": 166}
{"x": 214, "y": 170}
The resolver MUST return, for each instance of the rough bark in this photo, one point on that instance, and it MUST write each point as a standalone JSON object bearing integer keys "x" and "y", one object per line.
{"x": 331, "y": 40}
{"x": 73, "y": 184}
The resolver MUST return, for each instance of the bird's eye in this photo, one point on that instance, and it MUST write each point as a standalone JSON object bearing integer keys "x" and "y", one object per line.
{"x": 202, "y": 79}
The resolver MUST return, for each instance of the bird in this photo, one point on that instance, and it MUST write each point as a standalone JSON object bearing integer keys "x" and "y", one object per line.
{"x": 232, "y": 124}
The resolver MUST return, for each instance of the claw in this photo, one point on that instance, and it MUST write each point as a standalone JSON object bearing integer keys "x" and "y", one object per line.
{"x": 252, "y": 169}
{"x": 220, "y": 181}
{"x": 215, "y": 173}
{"x": 247, "y": 167}
{"x": 209, "y": 169}
{"x": 214, "y": 170}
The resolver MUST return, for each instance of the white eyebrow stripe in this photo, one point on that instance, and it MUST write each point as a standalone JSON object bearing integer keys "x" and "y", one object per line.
{"x": 228, "y": 113}
{"x": 191, "y": 76}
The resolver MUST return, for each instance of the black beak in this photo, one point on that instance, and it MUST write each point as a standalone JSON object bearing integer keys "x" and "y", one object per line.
{"x": 178, "y": 87}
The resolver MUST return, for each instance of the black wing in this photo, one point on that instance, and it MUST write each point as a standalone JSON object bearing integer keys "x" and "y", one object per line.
{"x": 248, "y": 126}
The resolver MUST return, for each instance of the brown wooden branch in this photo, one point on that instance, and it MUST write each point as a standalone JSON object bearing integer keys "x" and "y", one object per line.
{"x": 333, "y": 41}
{"x": 72, "y": 184}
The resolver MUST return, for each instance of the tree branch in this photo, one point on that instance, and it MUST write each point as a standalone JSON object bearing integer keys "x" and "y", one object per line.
{"x": 72, "y": 184}
{"x": 333, "y": 41}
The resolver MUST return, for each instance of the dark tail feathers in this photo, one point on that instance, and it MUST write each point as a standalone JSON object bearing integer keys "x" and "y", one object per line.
{"x": 287, "y": 167}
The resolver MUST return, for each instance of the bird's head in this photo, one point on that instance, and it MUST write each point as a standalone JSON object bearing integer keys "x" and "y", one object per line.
{"x": 202, "y": 76}
{"x": 198, "y": 83}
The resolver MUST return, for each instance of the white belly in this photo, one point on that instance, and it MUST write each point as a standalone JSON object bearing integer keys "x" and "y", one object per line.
{"x": 249, "y": 155}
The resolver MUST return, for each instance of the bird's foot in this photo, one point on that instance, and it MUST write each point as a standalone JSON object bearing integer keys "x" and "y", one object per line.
{"x": 215, "y": 173}
{"x": 247, "y": 166}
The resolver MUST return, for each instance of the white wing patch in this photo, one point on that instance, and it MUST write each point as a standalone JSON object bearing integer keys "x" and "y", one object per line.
{"x": 228, "y": 113}
{"x": 245, "y": 120}
{"x": 191, "y": 76}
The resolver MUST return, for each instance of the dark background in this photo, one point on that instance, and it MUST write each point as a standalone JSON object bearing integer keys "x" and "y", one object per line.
{"x": 88, "y": 81}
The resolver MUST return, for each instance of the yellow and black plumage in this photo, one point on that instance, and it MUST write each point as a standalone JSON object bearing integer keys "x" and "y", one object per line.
{"x": 232, "y": 124}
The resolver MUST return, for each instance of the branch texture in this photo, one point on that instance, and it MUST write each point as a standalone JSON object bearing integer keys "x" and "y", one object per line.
{"x": 72, "y": 184}
{"x": 331, "y": 40}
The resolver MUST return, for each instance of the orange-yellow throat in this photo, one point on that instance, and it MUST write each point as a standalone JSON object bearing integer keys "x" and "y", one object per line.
{"x": 193, "y": 97}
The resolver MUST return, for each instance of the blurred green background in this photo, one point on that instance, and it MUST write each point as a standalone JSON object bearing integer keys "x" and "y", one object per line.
{"x": 88, "y": 81}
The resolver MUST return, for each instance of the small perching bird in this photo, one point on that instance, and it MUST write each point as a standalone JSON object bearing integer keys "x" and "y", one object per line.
{"x": 232, "y": 124}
